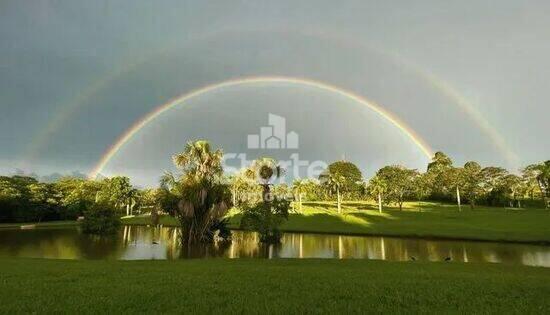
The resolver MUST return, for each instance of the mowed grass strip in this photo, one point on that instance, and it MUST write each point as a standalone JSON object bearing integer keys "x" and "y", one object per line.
{"x": 269, "y": 286}
{"x": 46, "y": 224}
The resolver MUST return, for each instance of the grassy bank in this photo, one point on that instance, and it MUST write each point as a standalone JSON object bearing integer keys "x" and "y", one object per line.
{"x": 419, "y": 219}
{"x": 272, "y": 286}
{"x": 52, "y": 224}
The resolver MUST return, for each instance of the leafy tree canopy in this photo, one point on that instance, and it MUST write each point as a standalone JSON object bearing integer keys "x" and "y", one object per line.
{"x": 347, "y": 173}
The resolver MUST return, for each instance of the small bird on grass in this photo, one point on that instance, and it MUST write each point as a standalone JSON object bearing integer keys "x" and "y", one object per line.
{"x": 413, "y": 258}
{"x": 448, "y": 259}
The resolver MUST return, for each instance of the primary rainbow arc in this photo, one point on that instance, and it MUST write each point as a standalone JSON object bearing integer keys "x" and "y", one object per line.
{"x": 136, "y": 127}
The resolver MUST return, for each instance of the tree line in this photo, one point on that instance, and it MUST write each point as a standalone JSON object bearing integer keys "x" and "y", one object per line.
{"x": 201, "y": 194}
{"x": 471, "y": 183}
{"x": 25, "y": 199}
{"x": 395, "y": 184}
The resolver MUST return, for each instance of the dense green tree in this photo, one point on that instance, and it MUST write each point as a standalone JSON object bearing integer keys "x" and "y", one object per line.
{"x": 10, "y": 199}
{"x": 348, "y": 170}
{"x": 349, "y": 177}
{"x": 440, "y": 161}
{"x": 45, "y": 201}
{"x": 529, "y": 176}
{"x": 514, "y": 188}
{"x": 23, "y": 181}
{"x": 119, "y": 192}
{"x": 77, "y": 195}
{"x": 437, "y": 177}
{"x": 423, "y": 186}
{"x": 24, "y": 199}
{"x": 400, "y": 183}
{"x": 541, "y": 173}
{"x": 492, "y": 177}
{"x": 454, "y": 180}
{"x": 472, "y": 182}
{"x": 494, "y": 191}
{"x": 101, "y": 219}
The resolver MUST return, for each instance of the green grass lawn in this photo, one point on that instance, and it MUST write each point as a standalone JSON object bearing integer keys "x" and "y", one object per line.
{"x": 418, "y": 219}
{"x": 270, "y": 286}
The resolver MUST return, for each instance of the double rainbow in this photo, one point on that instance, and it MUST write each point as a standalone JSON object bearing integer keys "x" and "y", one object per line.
{"x": 136, "y": 127}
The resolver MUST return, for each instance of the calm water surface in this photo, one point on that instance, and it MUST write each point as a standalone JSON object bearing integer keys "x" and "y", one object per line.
{"x": 139, "y": 242}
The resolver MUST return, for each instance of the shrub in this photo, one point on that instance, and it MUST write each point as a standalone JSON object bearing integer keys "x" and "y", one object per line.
{"x": 101, "y": 219}
{"x": 266, "y": 218}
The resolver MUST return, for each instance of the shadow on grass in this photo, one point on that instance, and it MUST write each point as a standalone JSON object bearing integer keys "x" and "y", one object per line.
{"x": 351, "y": 223}
{"x": 331, "y": 206}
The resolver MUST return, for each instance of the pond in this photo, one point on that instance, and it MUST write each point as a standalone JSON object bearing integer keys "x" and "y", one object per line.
{"x": 140, "y": 242}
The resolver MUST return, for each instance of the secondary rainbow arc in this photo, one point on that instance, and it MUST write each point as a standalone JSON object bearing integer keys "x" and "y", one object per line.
{"x": 41, "y": 139}
{"x": 138, "y": 125}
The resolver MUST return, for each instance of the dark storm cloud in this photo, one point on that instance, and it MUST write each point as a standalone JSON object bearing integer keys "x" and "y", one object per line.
{"x": 53, "y": 52}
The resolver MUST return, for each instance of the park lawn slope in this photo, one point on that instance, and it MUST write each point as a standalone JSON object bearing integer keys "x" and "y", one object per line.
{"x": 269, "y": 286}
{"x": 426, "y": 220}
{"x": 418, "y": 219}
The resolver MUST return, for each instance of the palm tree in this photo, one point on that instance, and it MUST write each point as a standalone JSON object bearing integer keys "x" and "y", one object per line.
{"x": 132, "y": 197}
{"x": 334, "y": 183}
{"x": 299, "y": 187}
{"x": 234, "y": 187}
{"x": 203, "y": 198}
{"x": 199, "y": 160}
{"x": 378, "y": 186}
{"x": 265, "y": 217}
{"x": 265, "y": 171}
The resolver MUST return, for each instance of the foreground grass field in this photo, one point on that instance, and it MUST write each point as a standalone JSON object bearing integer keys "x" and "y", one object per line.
{"x": 269, "y": 286}
{"x": 419, "y": 219}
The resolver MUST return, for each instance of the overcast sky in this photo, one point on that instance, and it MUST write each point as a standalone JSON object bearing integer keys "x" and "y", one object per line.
{"x": 469, "y": 77}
